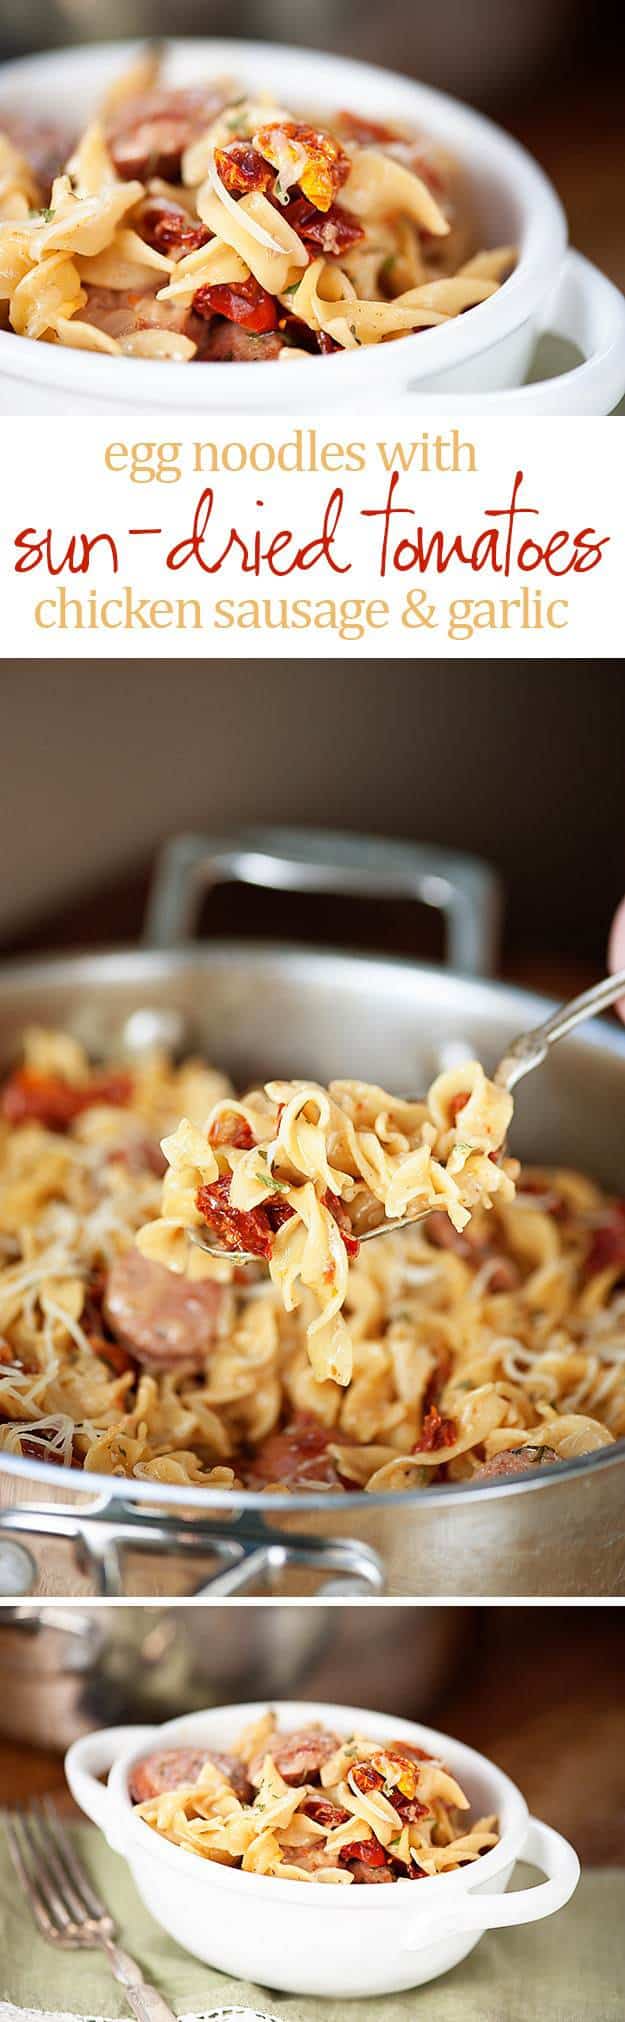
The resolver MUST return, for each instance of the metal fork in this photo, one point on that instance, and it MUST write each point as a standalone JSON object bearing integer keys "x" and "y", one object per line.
{"x": 523, "y": 1055}
{"x": 66, "y": 1907}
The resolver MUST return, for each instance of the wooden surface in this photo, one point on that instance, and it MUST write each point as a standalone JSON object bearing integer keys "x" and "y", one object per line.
{"x": 539, "y": 1690}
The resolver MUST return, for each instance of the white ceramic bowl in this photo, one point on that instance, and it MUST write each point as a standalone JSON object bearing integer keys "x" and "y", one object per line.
{"x": 483, "y": 354}
{"x": 304, "y": 1937}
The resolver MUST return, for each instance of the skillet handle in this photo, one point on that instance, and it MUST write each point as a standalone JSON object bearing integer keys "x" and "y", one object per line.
{"x": 248, "y": 1553}
{"x": 463, "y": 888}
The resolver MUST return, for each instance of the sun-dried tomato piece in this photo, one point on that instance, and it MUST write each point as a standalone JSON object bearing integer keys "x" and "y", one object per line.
{"x": 405, "y": 1771}
{"x": 340, "y": 1215}
{"x": 366, "y": 1777}
{"x": 410, "y": 1750}
{"x": 32, "y": 1097}
{"x": 170, "y": 230}
{"x": 232, "y": 1129}
{"x": 368, "y": 1850}
{"x": 409, "y": 1808}
{"x": 457, "y": 1103}
{"x": 250, "y": 1229}
{"x": 421, "y": 165}
{"x": 41, "y": 1448}
{"x": 607, "y": 1247}
{"x": 243, "y": 302}
{"x": 241, "y": 168}
{"x": 325, "y": 1813}
{"x": 436, "y": 1432}
{"x": 332, "y": 231}
{"x": 322, "y": 166}
{"x": 356, "y": 127}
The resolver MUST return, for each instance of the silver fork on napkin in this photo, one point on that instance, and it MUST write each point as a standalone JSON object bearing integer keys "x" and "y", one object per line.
{"x": 66, "y": 1907}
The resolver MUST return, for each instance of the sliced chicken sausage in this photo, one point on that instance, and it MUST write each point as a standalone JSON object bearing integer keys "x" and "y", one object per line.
{"x": 515, "y": 1460}
{"x": 174, "y": 1766}
{"x": 149, "y": 136}
{"x": 162, "y": 1319}
{"x": 299, "y": 1756}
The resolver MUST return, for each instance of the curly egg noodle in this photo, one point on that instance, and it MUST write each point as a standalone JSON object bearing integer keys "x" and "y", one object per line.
{"x": 312, "y": 1149}
{"x": 344, "y": 1812}
{"x": 195, "y": 224}
{"x": 476, "y": 1349}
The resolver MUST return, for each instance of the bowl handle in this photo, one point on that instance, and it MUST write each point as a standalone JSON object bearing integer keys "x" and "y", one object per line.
{"x": 544, "y": 1849}
{"x": 585, "y": 309}
{"x": 91, "y": 1758}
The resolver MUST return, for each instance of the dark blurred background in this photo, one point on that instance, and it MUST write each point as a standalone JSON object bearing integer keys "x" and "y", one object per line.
{"x": 553, "y": 71}
{"x": 523, "y": 764}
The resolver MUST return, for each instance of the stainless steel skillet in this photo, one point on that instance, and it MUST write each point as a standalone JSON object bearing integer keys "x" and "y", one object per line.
{"x": 260, "y": 1008}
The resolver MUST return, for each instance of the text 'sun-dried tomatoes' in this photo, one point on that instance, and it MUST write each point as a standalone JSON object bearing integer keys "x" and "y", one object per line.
{"x": 243, "y": 302}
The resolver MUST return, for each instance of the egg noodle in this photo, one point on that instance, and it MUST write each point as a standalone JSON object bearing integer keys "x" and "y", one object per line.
{"x": 342, "y": 1812}
{"x": 198, "y": 223}
{"x": 475, "y": 1349}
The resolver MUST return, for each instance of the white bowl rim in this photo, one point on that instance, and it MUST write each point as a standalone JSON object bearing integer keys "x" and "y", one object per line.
{"x": 297, "y": 1712}
{"x": 491, "y": 321}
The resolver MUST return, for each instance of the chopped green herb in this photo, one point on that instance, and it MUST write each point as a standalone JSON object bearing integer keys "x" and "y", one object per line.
{"x": 47, "y": 212}
{"x": 275, "y": 1186}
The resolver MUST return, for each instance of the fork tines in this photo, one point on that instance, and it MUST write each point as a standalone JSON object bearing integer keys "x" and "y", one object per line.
{"x": 64, "y": 1903}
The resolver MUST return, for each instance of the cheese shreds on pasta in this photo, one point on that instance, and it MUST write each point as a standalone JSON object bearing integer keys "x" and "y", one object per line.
{"x": 311, "y": 1806}
{"x": 479, "y": 1347}
{"x": 206, "y": 223}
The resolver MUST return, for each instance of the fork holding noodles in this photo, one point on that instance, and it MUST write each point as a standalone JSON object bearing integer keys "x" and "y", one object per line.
{"x": 296, "y": 1176}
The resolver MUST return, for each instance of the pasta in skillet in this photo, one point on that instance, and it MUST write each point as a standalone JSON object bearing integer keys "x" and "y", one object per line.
{"x": 476, "y": 1351}
{"x": 296, "y": 1173}
{"x": 202, "y": 223}
{"x": 310, "y": 1806}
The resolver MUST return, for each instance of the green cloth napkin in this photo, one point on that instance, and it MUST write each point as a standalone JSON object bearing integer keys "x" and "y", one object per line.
{"x": 569, "y": 1969}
